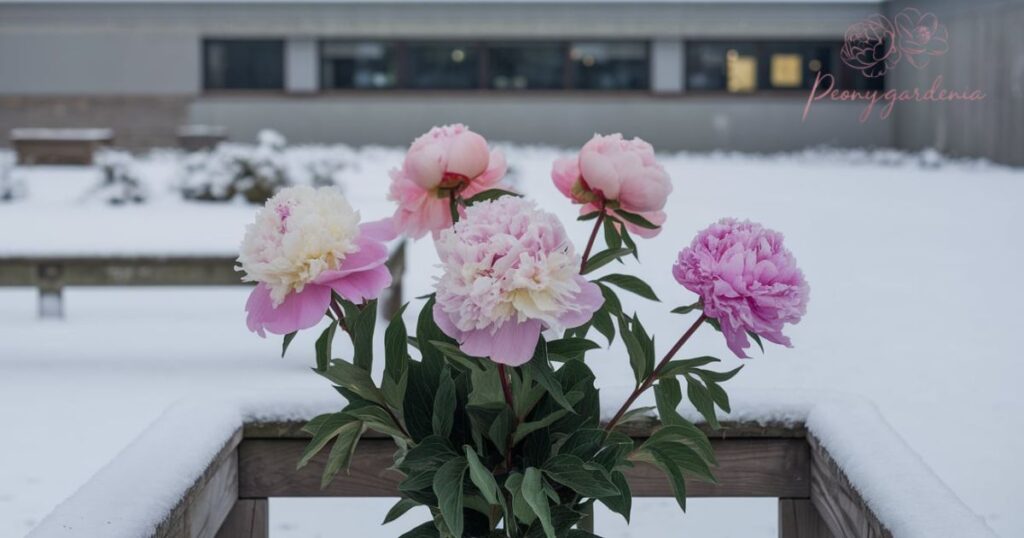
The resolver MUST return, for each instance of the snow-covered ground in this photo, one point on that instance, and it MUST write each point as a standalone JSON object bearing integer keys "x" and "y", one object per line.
{"x": 913, "y": 271}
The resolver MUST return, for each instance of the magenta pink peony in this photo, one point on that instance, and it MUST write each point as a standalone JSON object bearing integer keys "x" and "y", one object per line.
{"x": 746, "y": 279}
{"x": 445, "y": 160}
{"x": 510, "y": 272}
{"x": 305, "y": 243}
{"x": 614, "y": 172}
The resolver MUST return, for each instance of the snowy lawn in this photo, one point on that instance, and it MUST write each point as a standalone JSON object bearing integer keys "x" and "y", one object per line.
{"x": 912, "y": 306}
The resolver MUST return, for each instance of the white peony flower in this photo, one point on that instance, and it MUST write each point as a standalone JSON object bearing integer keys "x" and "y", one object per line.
{"x": 299, "y": 234}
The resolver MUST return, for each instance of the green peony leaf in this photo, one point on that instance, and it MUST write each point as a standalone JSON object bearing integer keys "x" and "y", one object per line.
{"x": 323, "y": 346}
{"x": 361, "y": 320}
{"x": 604, "y": 258}
{"x": 399, "y": 509}
{"x": 482, "y": 477}
{"x": 569, "y": 471}
{"x": 534, "y": 495}
{"x": 637, "y": 219}
{"x": 631, "y": 284}
{"x": 353, "y": 378}
{"x": 444, "y": 405}
{"x": 490, "y": 194}
{"x": 287, "y": 341}
{"x": 341, "y": 452}
{"x": 448, "y": 488}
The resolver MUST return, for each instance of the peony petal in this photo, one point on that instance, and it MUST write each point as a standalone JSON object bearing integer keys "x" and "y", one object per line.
{"x": 425, "y": 165}
{"x": 599, "y": 173}
{"x": 362, "y": 286}
{"x": 565, "y": 172}
{"x": 589, "y": 300}
{"x": 512, "y": 344}
{"x": 299, "y": 311}
{"x": 468, "y": 155}
{"x": 370, "y": 254}
{"x": 379, "y": 230}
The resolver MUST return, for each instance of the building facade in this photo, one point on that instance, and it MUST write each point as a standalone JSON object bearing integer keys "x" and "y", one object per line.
{"x": 686, "y": 75}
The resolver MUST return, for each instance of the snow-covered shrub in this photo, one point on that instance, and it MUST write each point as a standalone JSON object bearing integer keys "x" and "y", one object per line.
{"x": 320, "y": 166}
{"x": 120, "y": 181}
{"x": 252, "y": 172}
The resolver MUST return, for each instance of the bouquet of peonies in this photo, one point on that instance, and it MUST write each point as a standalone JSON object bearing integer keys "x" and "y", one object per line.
{"x": 494, "y": 412}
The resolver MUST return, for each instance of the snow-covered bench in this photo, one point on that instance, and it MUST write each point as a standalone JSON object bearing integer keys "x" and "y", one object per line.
{"x": 206, "y": 469}
{"x": 52, "y": 273}
{"x": 58, "y": 146}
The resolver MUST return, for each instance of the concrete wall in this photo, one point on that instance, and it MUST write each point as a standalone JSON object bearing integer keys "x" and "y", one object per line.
{"x": 986, "y": 52}
{"x": 681, "y": 123}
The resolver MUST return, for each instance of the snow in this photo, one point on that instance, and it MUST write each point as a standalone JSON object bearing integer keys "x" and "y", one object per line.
{"x": 42, "y": 133}
{"x": 912, "y": 262}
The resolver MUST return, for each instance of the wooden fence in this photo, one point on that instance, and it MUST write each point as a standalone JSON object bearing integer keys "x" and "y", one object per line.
{"x": 51, "y": 274}
{"x": 248, "y": 444}
{"x": 816, "y": 500}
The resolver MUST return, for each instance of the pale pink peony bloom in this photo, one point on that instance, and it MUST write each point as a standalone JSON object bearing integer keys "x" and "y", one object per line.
{"x": 444, "y": 160}
{"x": 746, "y": 279}
{"x": 618, "y": 173}
{"x": 510, "y": 272}
{"x": 303, "y": 244}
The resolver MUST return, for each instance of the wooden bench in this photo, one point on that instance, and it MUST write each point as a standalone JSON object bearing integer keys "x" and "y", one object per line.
{"x": 784, "y": 460}
{"x": 58, "y": 146}
{"x": 51, "y": 274}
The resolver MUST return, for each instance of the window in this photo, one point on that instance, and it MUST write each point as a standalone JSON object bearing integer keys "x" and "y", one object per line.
{"x": 443, "y": 65}
{"x": 243, "y": 64}
{"x": 358, "y": 65}
{"x": 525, "y": 66}
{"x": 609, "y": 66}
{"x": 743, "y": 67}
{"x": 484, "y": 65}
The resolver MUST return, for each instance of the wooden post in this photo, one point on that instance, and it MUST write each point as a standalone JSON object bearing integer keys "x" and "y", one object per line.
{"x": 249, "y": 518}
{"x": 799, "y": 519}
{"x": 51, "y": 298}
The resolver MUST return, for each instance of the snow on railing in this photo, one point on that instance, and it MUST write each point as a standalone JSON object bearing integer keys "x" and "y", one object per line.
{"x": 838, "y": 468}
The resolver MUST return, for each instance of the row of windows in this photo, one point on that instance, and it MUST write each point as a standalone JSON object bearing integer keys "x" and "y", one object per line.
{"x": 736, "y": 67}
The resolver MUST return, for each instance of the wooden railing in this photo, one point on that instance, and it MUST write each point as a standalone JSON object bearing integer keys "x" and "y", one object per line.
{"x": 51, "y": 274}
{"x": 780, "y": 461}
{"x": 252, "y": 458}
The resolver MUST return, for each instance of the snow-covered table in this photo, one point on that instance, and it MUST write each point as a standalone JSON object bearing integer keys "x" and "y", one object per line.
{"x": 206, "y": 469}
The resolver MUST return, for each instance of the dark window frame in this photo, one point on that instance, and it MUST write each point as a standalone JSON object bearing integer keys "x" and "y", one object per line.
{"x": 207, "y": 41}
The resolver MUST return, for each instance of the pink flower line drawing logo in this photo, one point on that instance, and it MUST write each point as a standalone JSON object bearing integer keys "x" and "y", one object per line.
{"x": 875, "y": 45}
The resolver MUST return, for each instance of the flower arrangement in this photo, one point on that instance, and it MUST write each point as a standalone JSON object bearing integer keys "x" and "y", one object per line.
{"x": 494, "y": 412}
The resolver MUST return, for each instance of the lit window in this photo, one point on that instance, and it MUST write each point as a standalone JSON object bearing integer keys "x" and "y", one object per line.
{"x": 787, "y": 70}
{"x": 443, "y": 65}
{"x": 358, "y": 65}
{"x": 740, "y": 72}
{"x": 609, "y": 66}
{"x": 243, "y": 64}
{"x": 525, "y": 66}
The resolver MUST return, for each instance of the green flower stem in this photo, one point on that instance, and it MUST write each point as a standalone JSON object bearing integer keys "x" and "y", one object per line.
{"x": 593, "y": 236}
{"x": 512, "y": 407}
{"x": 653, "y": 376}
{"x": 341, "y": 318}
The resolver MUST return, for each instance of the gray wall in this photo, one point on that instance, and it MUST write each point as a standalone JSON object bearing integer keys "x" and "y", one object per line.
{"x": 986, "y": 52}
{"x": 678, "y": 123}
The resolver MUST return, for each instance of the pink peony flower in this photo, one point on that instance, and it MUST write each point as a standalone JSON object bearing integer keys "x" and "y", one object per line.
{"x": 510, "y": 272}
{"x": 305, "y": 243}
{"x": 746, "y": 279}
{"x": 445, "y": 160}
{"x": 616, "y": 173}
